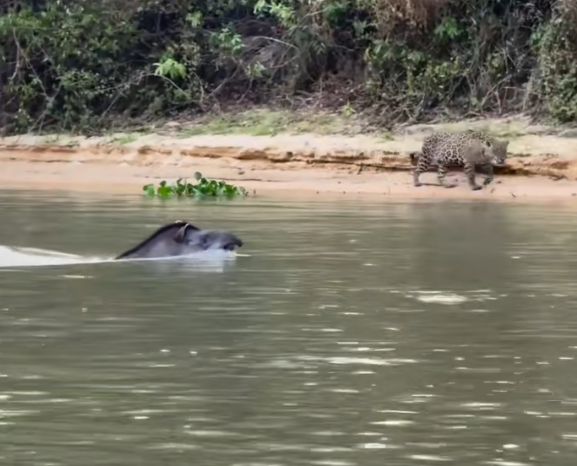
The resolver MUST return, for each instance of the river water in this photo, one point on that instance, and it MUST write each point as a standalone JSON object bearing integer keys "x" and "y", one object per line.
{"x": 349, "y": 332}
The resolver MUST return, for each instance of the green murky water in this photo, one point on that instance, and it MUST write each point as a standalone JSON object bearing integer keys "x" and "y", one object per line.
{"x": 351, "y": 333}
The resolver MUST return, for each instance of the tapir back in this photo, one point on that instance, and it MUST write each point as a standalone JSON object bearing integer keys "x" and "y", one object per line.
{"x": 160, "y": 244}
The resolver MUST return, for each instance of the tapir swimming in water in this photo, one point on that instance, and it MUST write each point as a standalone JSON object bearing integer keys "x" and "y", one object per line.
{"x": 179, "y": 239}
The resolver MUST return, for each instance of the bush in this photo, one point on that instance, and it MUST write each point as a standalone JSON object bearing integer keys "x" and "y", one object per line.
{"x": 203, "y": 188}
{"x": 75, "y": 64}
{"x": 555, "y": 78}
{"x": 85, "y": 64}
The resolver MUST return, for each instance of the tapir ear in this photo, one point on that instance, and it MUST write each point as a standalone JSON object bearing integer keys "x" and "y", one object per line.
{"x": 181, "y": 233}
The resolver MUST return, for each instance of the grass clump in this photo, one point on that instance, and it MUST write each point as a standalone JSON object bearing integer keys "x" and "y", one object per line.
{"x": 203, "y": 187}
{"x": 267, "y": 122}
{"x": 123, "y": 139}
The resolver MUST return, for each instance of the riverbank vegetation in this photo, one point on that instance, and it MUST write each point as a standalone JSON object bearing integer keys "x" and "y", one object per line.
{"x": 88, "y": 65}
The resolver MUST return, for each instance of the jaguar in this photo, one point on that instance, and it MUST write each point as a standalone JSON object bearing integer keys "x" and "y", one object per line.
{"x": 468, "y": 149}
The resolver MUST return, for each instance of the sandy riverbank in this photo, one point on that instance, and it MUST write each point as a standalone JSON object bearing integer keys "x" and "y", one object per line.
{"x": 540, "y": 166}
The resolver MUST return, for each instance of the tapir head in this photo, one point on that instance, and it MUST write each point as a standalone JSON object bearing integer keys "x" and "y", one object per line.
{"x": 211, "y": 239}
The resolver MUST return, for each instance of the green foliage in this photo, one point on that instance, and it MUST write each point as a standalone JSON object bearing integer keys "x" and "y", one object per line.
{"x": 73, "y": 65}
{"x": 203, "y": 187}
{"x": 85, "y": 64}
{"x": 170, "y": 68}
{"x": 556, "y": 74}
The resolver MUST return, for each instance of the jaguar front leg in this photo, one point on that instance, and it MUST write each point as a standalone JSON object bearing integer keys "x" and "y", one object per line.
{"x": 488, "y": 171}
{"x": 469, "y": 169}
{"x": 441, "y": 173}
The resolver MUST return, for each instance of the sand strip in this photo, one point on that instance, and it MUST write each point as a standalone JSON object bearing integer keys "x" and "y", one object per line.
{"x": 540, "y": 167}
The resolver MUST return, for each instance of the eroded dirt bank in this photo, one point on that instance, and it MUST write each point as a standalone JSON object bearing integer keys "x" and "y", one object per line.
{"x": 540, "y": 166}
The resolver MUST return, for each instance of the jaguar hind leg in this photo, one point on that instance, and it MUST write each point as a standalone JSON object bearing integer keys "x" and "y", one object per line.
{"x": 422, "y": 166}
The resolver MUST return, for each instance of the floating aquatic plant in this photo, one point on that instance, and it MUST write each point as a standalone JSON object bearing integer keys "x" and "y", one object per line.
{"x": 203, "y": 187}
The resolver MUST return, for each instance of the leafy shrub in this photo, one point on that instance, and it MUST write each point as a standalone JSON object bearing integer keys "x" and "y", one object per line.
{"x": 204, "y": 187}
{"x": 555, "y": 76}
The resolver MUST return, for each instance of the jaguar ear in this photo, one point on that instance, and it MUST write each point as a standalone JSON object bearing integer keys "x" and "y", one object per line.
{"x": 180, "y": 234}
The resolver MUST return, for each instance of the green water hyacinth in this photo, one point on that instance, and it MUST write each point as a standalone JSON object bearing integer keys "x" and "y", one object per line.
{"x": 203, "y": 187}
